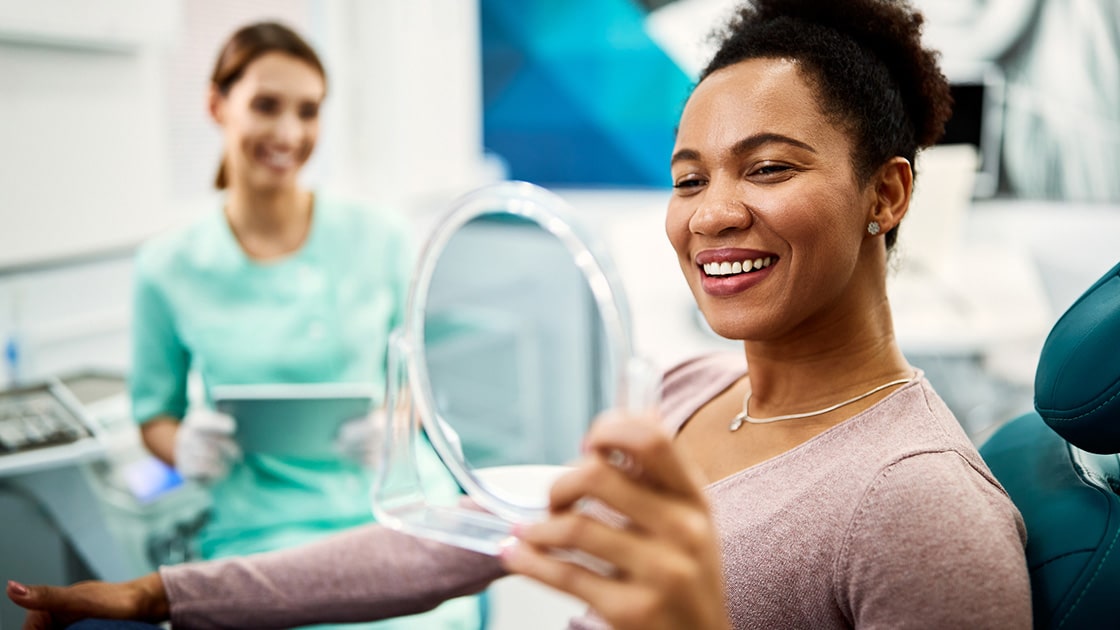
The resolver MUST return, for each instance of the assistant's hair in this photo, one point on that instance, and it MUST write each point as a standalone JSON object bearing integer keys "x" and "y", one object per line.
{"x": 244, "y": 47}
{"x": 867, "y": 62}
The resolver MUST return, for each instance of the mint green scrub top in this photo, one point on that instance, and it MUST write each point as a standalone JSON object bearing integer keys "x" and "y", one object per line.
{"x": 319, "y": 315}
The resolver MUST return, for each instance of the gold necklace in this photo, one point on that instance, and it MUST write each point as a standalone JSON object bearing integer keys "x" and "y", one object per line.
{"x": 743, "y": 416}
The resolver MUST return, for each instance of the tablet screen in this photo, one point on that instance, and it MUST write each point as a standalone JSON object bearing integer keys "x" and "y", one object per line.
{"x": 294, "y": 420}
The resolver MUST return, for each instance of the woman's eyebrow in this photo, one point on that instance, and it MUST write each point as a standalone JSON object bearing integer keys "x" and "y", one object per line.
{"x": 746, "y": 145}
{"x": 684, "y": 154}
{"x": 751, "y": 143}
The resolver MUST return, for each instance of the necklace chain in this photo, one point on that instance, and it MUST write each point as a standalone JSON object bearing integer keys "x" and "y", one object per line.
{"x": 744, "y": 416}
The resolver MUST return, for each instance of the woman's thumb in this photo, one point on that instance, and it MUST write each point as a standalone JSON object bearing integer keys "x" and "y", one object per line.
{"x": 33, "y": 597}
{"x": 18, "y": 592}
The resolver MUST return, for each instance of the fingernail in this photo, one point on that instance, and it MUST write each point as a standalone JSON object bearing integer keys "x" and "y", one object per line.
{"x": 508, "y": 550}
{"x": 18, "y": 589}
{"x": 518, "y": 529}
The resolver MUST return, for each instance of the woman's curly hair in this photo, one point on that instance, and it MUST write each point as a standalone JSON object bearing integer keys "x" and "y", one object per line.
{"x": 866, "y": 59}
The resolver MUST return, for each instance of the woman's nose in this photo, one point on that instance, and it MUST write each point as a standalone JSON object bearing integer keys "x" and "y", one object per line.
{"x": 288, "y": 129}
{"x": 722, "y": 209}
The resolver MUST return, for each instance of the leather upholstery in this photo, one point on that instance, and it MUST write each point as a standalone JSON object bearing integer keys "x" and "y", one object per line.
{"x": 1061, "y": 468}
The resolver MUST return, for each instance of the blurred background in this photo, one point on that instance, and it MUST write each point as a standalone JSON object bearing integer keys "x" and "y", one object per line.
{"x": 105, "y": 141}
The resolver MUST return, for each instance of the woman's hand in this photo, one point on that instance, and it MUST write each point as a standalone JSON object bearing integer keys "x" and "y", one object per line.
{"x": 666, "y": 559}
{"x": 142, "y": 599}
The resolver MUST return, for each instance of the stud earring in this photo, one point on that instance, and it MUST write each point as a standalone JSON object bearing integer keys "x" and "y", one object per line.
{"x": 873, "y": 228}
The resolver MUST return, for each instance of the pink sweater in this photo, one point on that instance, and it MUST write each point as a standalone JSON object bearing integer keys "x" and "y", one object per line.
{"x": 888, "y": 520}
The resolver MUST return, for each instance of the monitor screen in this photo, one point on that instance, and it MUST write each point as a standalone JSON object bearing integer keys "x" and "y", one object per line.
{"x": 977, "y": 119}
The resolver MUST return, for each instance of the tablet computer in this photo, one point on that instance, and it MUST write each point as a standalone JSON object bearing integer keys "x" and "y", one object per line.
{"x": 296, "y": 420}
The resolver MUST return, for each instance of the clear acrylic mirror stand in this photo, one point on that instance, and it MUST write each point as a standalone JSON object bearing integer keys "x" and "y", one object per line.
{"x": 398, "y": 498}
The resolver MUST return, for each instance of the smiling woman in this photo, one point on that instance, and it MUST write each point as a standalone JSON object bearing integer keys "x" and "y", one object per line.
{"x": 776, "y": 182}
{"x": 814, "y": 480}
{"x": 278, "y": 286}
{"x": 265, "y": 93}
{"x": 837, "y": 479}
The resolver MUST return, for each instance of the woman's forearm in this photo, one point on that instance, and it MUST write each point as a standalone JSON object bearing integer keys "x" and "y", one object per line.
{"x": 363, "y": 574}
{"x": 158, "y": 435}
{"x": 152, "y": 600}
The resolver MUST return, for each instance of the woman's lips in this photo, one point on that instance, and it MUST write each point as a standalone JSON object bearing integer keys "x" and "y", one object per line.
{"x": 726, "y": 272}
{"x": 279, "y": 161}
{"x": 720, "y": 286}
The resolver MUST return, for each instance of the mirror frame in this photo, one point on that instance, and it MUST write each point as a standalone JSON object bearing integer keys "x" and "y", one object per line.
{"x": 551, "y": 213}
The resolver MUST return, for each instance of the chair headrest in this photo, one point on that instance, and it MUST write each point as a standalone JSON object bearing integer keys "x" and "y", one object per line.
{"x": 1077, "y": 385}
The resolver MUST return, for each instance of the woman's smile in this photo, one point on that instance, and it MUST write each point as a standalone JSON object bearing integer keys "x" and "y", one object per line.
{"x": 729, "y": 271}
{"x": 280, "y": 161}
{"x": 758, "y": 162}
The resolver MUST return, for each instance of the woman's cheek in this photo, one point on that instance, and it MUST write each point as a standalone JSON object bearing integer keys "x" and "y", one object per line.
{"x": 676, "y": 228}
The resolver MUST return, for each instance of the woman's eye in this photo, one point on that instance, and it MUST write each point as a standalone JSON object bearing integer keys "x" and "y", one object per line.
{"x": 688, "y": 184}
{"x": 266, "y": 105}
{"x": 771, "y": 170}
{"x": 309, "y": 111}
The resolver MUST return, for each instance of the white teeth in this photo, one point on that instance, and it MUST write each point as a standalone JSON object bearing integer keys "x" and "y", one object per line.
{"x": 280, "y": 160}
{"x": 728, "y": 268}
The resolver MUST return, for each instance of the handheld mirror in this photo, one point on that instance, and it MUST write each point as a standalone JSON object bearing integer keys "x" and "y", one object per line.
{"x": 516, "y": 336}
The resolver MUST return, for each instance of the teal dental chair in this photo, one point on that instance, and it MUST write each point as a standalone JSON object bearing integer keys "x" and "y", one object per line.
{"x": 1061, "y": 468}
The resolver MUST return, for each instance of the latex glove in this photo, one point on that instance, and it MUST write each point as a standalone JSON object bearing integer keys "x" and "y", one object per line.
{"x": 204, "y": 445}
{"x": 358, "y": 440}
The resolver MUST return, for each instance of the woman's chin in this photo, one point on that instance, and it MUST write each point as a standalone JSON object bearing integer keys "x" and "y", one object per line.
{"x": 270, "y": 181}
{"x": 727, "y": 328}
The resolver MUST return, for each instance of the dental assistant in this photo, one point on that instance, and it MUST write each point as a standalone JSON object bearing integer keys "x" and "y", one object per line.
{"x": 279, "y": 285}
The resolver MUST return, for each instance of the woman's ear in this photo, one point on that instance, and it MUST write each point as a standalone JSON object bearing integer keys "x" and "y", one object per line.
{"x": 894, "y": 184}
{"x": 216, "y": 104}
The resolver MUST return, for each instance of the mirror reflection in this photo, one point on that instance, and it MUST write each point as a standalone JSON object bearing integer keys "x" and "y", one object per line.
{"x": 516, "y": 337}
{"x": 512, "y": 345}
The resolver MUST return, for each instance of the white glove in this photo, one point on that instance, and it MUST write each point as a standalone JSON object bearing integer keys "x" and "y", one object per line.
{"x": 358, "y": 440}
{"x": 204, "y": 445}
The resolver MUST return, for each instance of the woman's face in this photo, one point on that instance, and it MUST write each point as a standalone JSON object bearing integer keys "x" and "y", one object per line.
{"x": 767, "y": 218}
{"x": 270, "y": 120}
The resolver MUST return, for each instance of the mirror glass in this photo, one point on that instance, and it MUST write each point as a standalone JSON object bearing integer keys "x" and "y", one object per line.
{"x": 512, "y": 340}
{"x": 516, "y": 337}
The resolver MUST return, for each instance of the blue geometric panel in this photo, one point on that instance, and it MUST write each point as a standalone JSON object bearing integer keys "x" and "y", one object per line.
{"x": 576, "y": 93}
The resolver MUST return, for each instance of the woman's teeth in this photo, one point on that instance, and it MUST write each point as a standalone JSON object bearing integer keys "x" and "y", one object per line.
{"x": 732, "y": 268}
{"x": 279, "y": 160}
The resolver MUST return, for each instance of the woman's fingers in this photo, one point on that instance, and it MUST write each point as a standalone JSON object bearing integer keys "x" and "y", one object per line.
{"x": 632, "y": 555}
{"x": 42, "y": 604}
{"x": 647, "y": 449}
{"x": 664, "y": 549}
{"x": 684, "y": 520}
{"x": 659, "y": 585}
{"x": 141, "y": 599}
{"x": 41, "y": 597}
{"x": 574, "y": 530}
{"x": 560, "y": 573}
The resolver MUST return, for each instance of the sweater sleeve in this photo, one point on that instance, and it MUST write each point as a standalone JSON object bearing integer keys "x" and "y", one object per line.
{"x": 363, "y": 574}
{"x": 934, "y": 544}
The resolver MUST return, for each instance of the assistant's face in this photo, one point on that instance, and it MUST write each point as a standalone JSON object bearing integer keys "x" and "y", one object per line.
{"x": 270, "y": 120}
{"x": 766, "y": 217}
